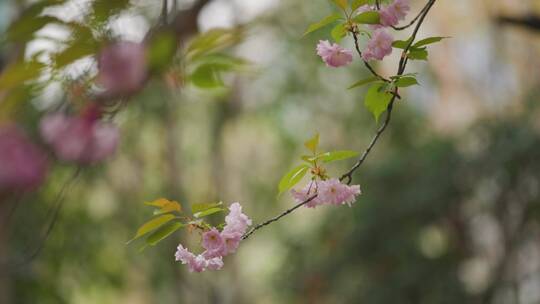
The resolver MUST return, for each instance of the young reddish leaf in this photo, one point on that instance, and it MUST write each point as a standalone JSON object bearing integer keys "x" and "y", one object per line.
{"x": 165, "y": 205}
{"x": 313, "y": 143}
{"x": 341, "y": 3}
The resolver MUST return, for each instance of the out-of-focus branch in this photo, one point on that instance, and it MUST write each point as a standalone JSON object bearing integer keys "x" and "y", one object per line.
{"x": 52, "y": 222}
{"x": 531, "y": 22}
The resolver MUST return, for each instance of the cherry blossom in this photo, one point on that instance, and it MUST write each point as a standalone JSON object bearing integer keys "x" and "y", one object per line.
{"x": 333, "y": 54}
{"x": 83, "y": 139}
{"x": 23, "y": 164}
{"x": 379, "y": 46}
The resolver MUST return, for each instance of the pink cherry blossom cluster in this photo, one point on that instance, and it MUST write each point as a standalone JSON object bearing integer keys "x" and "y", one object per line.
{"x": 123, "y": 68}
{"x": 23, "y": 165}
{"x": 380, "y": 42}
{"x": 83, "y": 139}
{"x": 328, "y": 192}
{"x": 217, "y": 244}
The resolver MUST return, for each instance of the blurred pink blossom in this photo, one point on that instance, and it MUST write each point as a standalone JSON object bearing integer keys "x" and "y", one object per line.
{"x": 83, "y": 139}
{"x": 379, "y": 46}
{"x": 23, "y": 165}
{"x": 122, "y": 68}
{"x": 333, "y": 54}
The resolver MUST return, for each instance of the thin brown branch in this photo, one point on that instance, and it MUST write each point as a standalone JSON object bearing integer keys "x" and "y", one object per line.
{"x": 54, "y": 218}
{"x": 380, "y": 131}
{"x": 276, "y": 218}
{"x": 411, "y": 23}
{"x": 368, "y": 66}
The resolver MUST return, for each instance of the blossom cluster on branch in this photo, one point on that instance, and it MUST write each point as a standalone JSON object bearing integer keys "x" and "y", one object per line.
{"x": 380, "y": 42}
{"x": 217, "y": 244}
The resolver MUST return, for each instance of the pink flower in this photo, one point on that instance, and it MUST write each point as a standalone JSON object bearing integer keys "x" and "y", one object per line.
{"x": 83, "y": 139}
{"x": 307, "y": 192}
{"x": 236, "y": 221}
{"x": 214, "y": 263}
{"x": 401, "y": 8}
{"x": 333, "y": 54}
{"x": 122, "y": 68}
{"x": 23, "y": 165}
{"x": 183, "y": 255}
{"x": 232, "y": 240}
{"x": 214, "y": 244}
{"x": 198, "y": 264}
{"x": 379, "y": 46}
{"x": 388, "y": 16}
{"x": 333, "y": 192}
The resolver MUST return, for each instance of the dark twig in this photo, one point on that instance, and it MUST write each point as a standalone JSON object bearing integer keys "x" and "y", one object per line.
{"x": 55, "y": 214}
{"x": 164, "y": 12}
{"x": 368, "y": 66}
{"x": 401, "y": 70}
{"x": 374, "y": 140}
{"x": 276, "y": 218}
{"x": 401, "y": 28}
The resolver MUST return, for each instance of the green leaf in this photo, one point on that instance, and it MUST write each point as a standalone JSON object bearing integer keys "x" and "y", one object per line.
{"x": 401, "y": 44}
{"x": 406, "y": 82}
{"x": 368, "y": 18}
{"x": 163, "y": 232}
{"x": 427, "y": 41}
{"x": 102, "y": 10}
{"x": 212, "y": 41}
{"x": 341, "y": 3}
{"x": 338, "y": 155}
{"x": 338, "y": 32}
{"x": 25, "y": 28}
{"x": 292, "y": 178}
{"x": 418, "y": 54}
{"x": 313, "y": 143}
{"x": 161, "y": 50}
{"x": 324, "y": 22}
{"x": 207, "y": 76}
{"x": 18, "y": 73}
{"x": 204, "y": 206}
{"x": 208, "y": 212}
{"x": 152, "y": 225}
{"x": 358, "y": 3}
{"x": 363, "y": 82}
{"x": 376, "y": 101}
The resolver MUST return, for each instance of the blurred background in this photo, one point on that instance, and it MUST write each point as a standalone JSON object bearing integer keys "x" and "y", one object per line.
{"x": 450, "y": 210}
